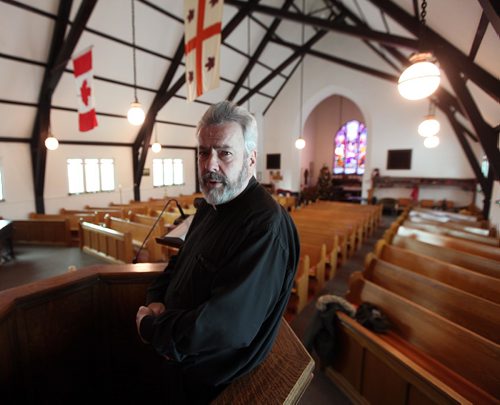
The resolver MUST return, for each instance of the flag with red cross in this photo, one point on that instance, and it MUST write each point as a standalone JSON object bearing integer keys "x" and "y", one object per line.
{"x": 83, "y": 71}
{"x": 202, "y": 37}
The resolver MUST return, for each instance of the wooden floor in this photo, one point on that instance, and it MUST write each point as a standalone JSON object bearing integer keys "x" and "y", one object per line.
{"x": 35, "y": 263}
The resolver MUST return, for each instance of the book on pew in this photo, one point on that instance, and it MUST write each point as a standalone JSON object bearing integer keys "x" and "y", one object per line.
{"x": 175, "y": 238}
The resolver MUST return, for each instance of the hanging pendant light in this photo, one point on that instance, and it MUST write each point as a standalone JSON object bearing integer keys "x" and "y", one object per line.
{"x": 156, "y": 146}
{"x": 135, "y": 114}
{"x": 431, "y": 142}
{"x": 51, "y": 143}
{"x": 430, "y": 125}
{"x": 422, "y": 77}
{"x": 300, "y": 143}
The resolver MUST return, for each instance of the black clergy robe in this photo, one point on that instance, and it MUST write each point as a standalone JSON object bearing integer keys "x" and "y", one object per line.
{"x": 226, "y": 290}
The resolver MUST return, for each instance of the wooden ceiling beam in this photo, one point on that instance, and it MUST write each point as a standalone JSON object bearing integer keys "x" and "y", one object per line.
{"x": 340, "y": 27}
{"x": 441, "y": 48}
{"x": 492, "y": 10}
{"x": 59, "y": 54}
{"x": 478, "y": 38}
{"x": 487, "y": 135}
{"x": 258, "y": 52}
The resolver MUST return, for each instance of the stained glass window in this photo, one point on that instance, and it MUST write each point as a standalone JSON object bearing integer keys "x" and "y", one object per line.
{"x": 350, "y": 148}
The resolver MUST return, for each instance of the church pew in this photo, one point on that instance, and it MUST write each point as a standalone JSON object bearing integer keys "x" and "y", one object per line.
{"x": 139, "y": 232}
{"x": 451, "y": 217}
{"x": 44, "y": 231}
{"x": 300, "y": 291}
{"x": 475, "y": 230}
{"x": 469, "y": 261}
{"x": 105, "y": 243}
{"x": 345, "y": 234}
{"x": 470, "y": 311}
{"x": 332, "y": 249}
{"x": 336, "y": 221}
{"x": 317, "y": 261}
{"x": 474, "y": 248}
{"x": 74, "y": 220}
{"x": 363, "y": 214}
{"x": 72, "y": 338}
{"x": 423, "y": 358}
{"x": 455, "y": 233}
{"x": 473, "y": 282}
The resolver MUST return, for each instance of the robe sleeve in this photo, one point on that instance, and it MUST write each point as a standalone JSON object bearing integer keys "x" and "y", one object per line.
{"x": 157, "y": 289}
{"x": 243, "y": 294}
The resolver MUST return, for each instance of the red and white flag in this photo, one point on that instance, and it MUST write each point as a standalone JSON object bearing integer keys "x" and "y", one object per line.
{"x": 82, "y": 66}
{"x": 202, "y": 37}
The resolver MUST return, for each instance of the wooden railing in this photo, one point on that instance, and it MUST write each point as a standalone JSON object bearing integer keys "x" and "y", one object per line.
{"x": 72, "y": 338}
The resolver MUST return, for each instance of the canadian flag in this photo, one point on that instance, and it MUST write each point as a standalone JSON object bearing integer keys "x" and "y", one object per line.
{"x": 202, "y": 37}
{"x": 82, "y": 67}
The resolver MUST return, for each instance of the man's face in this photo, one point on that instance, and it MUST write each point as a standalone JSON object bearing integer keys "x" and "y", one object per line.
{"x": 224, "y": 168}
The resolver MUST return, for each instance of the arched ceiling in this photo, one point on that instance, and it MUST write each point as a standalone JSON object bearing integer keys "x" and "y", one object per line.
{"x": 262, "y": 46}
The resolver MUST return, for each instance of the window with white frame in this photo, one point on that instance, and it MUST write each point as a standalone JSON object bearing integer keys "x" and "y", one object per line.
{"x": 168, "y": 172}
{"x": 90, "y": 175}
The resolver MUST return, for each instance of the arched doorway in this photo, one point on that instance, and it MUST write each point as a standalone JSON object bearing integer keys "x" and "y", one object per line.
{"x": 337, "y": 138}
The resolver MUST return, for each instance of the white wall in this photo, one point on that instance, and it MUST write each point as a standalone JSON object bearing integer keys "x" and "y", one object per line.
{"x": 15, "y": 161}
{"x": 392, "y": 124}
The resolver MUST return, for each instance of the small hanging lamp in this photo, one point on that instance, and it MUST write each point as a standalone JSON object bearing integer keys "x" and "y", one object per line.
{"x": 431, "y": 142}
{"x": 156, "y": 146}
{"x": 422, "y": 77}
{"x": 51, "y": 142}
{"x": 430, "y": 125}
{"x": 135, "y": 114}
{"x": 300, "y": 143}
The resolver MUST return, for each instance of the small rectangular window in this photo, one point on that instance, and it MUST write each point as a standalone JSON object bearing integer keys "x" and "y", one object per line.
{"x": 167, "y": 172}
{"x": 90, "y": 175}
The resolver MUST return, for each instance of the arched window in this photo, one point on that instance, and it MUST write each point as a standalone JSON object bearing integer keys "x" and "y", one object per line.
{"x": 350, "y": 148}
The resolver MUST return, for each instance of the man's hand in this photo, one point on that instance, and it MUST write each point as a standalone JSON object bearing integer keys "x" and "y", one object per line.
{"x": 141, "y": 313}
{"x": 157, "y": 307}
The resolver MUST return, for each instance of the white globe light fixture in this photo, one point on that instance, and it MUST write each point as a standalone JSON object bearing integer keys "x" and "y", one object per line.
{"x": 51, "y": 143}
{"x": 300, "y": 143}
{"x": 420, "y": 79}
{"x": 156, "y": 147}
{"x": 430, "y": 126}
{"x": 431, "y": 142}
{"x": 135, "y": 114}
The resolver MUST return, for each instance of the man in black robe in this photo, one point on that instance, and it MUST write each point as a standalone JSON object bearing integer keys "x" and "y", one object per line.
{"x": 215, "y": 311}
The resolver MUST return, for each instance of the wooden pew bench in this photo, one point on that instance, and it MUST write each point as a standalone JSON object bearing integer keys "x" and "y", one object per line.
{"x": 455, "y": 233}
{"x": 44, "y": 231}
{"x": 74, "y": 221}
{"x": 467, "y": 310}
{"x": 469, "y": 228}
{"x": 105, "y": 243}
{"x": 473, "y": 282}
{"x": 139, "y": 232}
{"x": 424, "y": 358}
{"x": 300, "y": 290}
{"x": 317, "y": 260}
{"x": 332, "y": 249}
{"x": 469, "y": 261}
{"x": 474, "y": 248}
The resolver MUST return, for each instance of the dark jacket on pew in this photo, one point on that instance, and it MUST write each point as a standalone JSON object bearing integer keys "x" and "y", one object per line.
{"x": 226, "y": 291}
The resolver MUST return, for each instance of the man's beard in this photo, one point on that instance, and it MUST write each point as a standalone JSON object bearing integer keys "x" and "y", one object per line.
{"x": 228, "y": 189}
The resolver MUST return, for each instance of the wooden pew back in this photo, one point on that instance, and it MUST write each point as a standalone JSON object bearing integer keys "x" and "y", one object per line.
{"x": 465, "y": 354}
{"x": 42, "y": 231}
{"x": 468, "y": 310}
{"x": 470, "y": 261}
{"x": 105, "y": 243}
{"x": 139, "y": 232}
{"x": 473, "y": 282}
